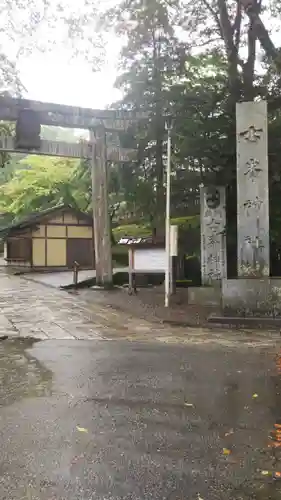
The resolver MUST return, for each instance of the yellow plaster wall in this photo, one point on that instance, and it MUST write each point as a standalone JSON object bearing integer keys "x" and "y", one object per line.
{"x": 79, "y": 232}
{"x": 70, "y": 219}
{"x": 56, "y": 252}
{"x": 56, "y": 231}
{"x": 40, "y": 232}
{"x": 38, "y": 252}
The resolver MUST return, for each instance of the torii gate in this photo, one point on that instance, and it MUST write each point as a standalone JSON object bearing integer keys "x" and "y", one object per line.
{"x": 30, "y": 115}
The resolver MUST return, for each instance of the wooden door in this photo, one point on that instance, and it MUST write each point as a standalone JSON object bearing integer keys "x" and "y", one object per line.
{"x": 81, "y": 251}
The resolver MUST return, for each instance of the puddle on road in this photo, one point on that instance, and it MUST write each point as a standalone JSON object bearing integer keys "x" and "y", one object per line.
{"x": 21, "y": 375}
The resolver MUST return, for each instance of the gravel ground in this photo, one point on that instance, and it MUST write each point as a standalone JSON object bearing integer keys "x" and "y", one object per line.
{"x": 149, "y": 304}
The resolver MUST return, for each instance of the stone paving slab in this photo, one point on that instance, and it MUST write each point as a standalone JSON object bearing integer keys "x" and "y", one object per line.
{"x": 29, "y": 309}
{"x": 6, "y": 327}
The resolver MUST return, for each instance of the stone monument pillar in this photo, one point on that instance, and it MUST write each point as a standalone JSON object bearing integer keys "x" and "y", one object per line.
{"x": 213, "y": 237}
{"x": 252, "y": 189}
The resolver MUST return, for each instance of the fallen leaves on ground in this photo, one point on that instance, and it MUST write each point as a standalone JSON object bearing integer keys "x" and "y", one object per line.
{"x": 81, "y": 429}
{"x": 275, "y": 475}
{"x": 226, "y": 451}
{"x": 274, "y": 444}
{"x": 229, "y": 433}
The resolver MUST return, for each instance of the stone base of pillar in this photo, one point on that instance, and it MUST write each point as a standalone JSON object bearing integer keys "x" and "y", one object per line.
{"x": 252, "y": 297}
{"x": 205, "y": 295}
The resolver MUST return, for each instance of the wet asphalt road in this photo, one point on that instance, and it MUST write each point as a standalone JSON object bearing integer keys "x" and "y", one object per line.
{"x": 121, "y": 420}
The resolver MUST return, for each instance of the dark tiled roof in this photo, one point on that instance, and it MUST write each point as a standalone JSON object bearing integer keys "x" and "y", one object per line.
{"x": 34, "y": 218}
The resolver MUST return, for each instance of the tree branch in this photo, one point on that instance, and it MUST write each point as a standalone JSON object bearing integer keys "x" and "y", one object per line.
{"x": 211, "y": 40}
{"x": 214, "y": 14}
{"x": 236, "y": 28}
{"x": 226, "y": 27}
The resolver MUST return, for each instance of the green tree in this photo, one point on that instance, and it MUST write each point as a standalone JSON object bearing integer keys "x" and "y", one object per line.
{"x": 81, "y": 185}
{"x": 40, "y": 183}
{"x": 224, "y": 25}
{"x": 150, "y": 62}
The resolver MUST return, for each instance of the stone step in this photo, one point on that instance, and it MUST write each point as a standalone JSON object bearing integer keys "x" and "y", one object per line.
{"x": 245, "y": 322}
{"x": 204, "y": 296}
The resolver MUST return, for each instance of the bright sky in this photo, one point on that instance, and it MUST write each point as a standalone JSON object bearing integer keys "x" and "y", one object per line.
{"x": 51, "y": 77}
{"x": 54, "y": 77}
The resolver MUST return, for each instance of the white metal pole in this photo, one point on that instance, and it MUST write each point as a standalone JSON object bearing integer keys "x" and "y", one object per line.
{"x": 168, "y": 209}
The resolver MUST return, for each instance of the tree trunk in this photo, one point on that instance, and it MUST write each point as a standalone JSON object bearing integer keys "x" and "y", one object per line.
{"x": 252, "y": 9}
{"x": 231, "y": 37}
{"x": 249, "y": 67}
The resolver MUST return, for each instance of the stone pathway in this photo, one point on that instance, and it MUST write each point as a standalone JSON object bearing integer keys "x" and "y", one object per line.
{"x": 30, "y": 309}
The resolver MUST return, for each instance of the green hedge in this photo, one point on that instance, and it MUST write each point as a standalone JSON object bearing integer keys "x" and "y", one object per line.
{"x": 144, "y": 230}
{"x": 120, "y": 256}
{"x": 132, "y": 231}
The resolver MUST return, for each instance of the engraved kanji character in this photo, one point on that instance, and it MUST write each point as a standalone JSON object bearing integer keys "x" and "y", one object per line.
{"x": 252, "y": 168}
{"x": 253, "y": 134}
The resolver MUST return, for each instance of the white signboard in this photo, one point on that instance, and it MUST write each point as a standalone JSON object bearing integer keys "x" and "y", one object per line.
{"x": 149, "y": 259}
